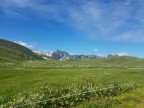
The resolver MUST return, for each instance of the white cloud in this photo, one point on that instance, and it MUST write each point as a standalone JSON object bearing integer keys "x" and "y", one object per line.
{"x": 95, "y": 18}
{"x": 25, "y": 44}
{"x": 133, "y": 36}
{"x": 128, "y": 2}
{"x": 95, "y": 49}
{"x": 122, "y": 54}
{"x": 74, "y": 54}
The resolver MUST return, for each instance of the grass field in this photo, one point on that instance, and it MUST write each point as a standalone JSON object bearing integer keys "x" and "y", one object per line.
{"x": 24, "y": 77}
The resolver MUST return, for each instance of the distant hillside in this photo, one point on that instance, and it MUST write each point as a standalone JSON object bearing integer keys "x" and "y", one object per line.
{"x": 117, "y": 60}
{"x": 10, "y": 51}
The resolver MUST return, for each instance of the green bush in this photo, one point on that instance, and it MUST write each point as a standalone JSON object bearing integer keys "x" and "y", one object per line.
{"x": 69, "y": 96}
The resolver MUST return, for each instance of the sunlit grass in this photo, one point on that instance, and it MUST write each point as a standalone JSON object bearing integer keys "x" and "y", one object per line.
{"x": 25, "y": 77}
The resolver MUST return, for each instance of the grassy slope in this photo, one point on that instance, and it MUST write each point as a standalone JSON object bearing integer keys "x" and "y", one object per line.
{"x": 120, "y": 60}
{"x": 13, "y": 52}
{"x": 114, "y": 62}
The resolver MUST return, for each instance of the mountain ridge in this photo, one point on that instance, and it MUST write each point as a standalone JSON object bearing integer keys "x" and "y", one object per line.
{"x": 13, "y": 52}
{"x": 63, "y": 55}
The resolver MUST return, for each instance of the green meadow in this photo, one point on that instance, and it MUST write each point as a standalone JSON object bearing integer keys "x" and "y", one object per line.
{"x": 28, "y": 76}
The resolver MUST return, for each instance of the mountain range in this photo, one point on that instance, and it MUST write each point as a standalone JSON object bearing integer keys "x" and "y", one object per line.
{"x": 11, "y": 51}
{"x": 63, "y": 55}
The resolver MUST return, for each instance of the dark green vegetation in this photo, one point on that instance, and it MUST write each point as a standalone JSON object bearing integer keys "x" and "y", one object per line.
{"x": 10, "y": 51}
{"x": 25, "y": 78}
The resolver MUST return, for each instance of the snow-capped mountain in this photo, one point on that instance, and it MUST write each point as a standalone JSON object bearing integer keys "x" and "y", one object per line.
{"x": 49, "y": 54}
{"x": 63, "y": 55}
{"x": 46, "y": 53}
{"x": 38, "y": 52}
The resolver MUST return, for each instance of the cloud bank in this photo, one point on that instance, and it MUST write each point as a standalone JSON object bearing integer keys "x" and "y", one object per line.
{"x": 115, "y": 20}
{"x": 25, "y": 44}
{"x": 122, "y": 54}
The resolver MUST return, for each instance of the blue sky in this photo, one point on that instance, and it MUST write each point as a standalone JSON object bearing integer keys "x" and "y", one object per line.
{"x": 77, "y": 26}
